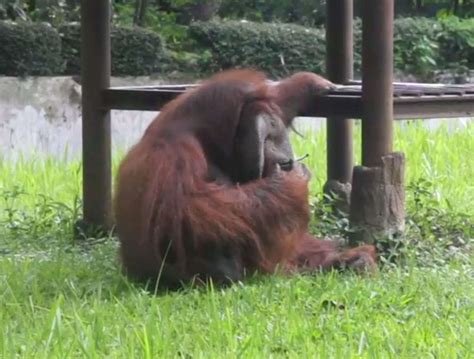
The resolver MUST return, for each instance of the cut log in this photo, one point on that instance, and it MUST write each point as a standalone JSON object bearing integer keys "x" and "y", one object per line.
{"x": 377, "y": 209}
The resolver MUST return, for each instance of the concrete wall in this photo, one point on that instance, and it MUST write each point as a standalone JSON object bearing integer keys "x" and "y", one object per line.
{"x": 42, "y": 116}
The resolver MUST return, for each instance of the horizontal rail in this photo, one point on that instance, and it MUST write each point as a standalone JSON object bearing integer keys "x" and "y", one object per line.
{"x": 426, "y": 107}
{"x": 346, "y": 102}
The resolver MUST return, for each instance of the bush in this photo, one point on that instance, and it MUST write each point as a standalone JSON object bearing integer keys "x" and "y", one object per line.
{"x": 29, "y": 49}
{"x": 278, "y": 49}
{"x": 301, "y": 12}
{"x": 422, "y": 46}
{"x": 135, "y": 51}
{"x": 456, "y": 43}
{"x": 71, "y": 48}
{"x": 415, "y": 46}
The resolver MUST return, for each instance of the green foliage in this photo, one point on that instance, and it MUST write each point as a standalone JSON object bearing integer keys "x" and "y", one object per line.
{"x": 165, "y": 24}
{"x": 278, "y": 49}
{"x": 55, "y": 12}
{"x": 123, "y": 13}
{"x": 456, "y": 43}
{"x": 162, "y": 22}
{"x": 135, "y": 51}
{"x": 415, "y": 46}
{"x": 420, "y": 46}
{"x": 192, "y": 64}
{"x": 29, "y": 49}
{"x": 71, "y": 48}
{"x": 310, "y": 12}
{"x": 303, "y": 12}
{"x": 185, "y": 56}
{"x": 424, "y": 46}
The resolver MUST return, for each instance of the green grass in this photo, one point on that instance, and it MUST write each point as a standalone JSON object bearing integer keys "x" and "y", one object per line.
{"x": 442, "y": 157}
{"x": 61, "y": 299}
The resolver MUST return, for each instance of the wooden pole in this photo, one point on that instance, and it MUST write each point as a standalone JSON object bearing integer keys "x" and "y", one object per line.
{"x": 377, "y": 79}
{"x": 339, "y": 68}
{"x": 96, "y": 142}
{"x": 377, "y": 209}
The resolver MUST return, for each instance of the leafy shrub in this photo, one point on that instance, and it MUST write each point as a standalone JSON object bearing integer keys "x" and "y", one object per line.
{"x": 302, "y": 12}
{"x": 164, "y": 23}
{"x": 421, "y": 46}
{"x": 456, "y": 43}
{"x": 415, "y": 46}
{"x": 135, "y": 51}
{"x": 29, "y": 49}
{"x": 278, "y": 49}
{"x": 71, "y": 47}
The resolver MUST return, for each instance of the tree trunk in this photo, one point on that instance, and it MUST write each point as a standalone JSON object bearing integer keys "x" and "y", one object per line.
{"x": 455, "y": 6}
{"x": 418, "y": 5}
{"x": 140, "y": 12}
{"x": 377, "y": 208}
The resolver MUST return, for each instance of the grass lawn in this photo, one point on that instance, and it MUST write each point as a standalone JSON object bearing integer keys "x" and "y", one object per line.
{"x": 60, "y": 298}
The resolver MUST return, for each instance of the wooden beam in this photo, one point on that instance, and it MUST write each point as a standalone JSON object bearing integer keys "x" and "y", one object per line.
{"x": 333, "y": 106}
{"x": 339, "y": 67}
{"x": 137, "y": 100}
{"x": 427, "y": 107}
{"x": 96, "y": 141}
{"x": 377, "y": 78}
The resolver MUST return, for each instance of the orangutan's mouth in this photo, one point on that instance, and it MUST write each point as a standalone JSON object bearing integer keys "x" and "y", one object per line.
{"x": 288, "y": 165}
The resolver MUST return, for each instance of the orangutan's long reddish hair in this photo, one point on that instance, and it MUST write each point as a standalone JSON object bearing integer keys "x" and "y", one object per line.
{"x": 180, "y": 214}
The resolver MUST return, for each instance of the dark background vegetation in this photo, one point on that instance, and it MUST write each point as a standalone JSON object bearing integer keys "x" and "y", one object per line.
{"x": 198, "y": 37}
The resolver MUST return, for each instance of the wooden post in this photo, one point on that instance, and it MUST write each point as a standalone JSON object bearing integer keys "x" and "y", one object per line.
{"x": 377, "y": 79}
{"x": 96, "y": 142}
{"x": 377, "y": 198}
{"x": 339, "y": 68}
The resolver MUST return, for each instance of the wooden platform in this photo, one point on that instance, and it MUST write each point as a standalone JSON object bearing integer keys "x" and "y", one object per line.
{"x": 411, "y": 100}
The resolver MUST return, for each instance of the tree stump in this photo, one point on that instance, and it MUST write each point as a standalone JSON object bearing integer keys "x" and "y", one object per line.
{"x": 377, "y": 208}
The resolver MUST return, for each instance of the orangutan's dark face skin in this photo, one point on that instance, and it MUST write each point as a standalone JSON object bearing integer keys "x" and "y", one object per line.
{"x": 262, "y": 145}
